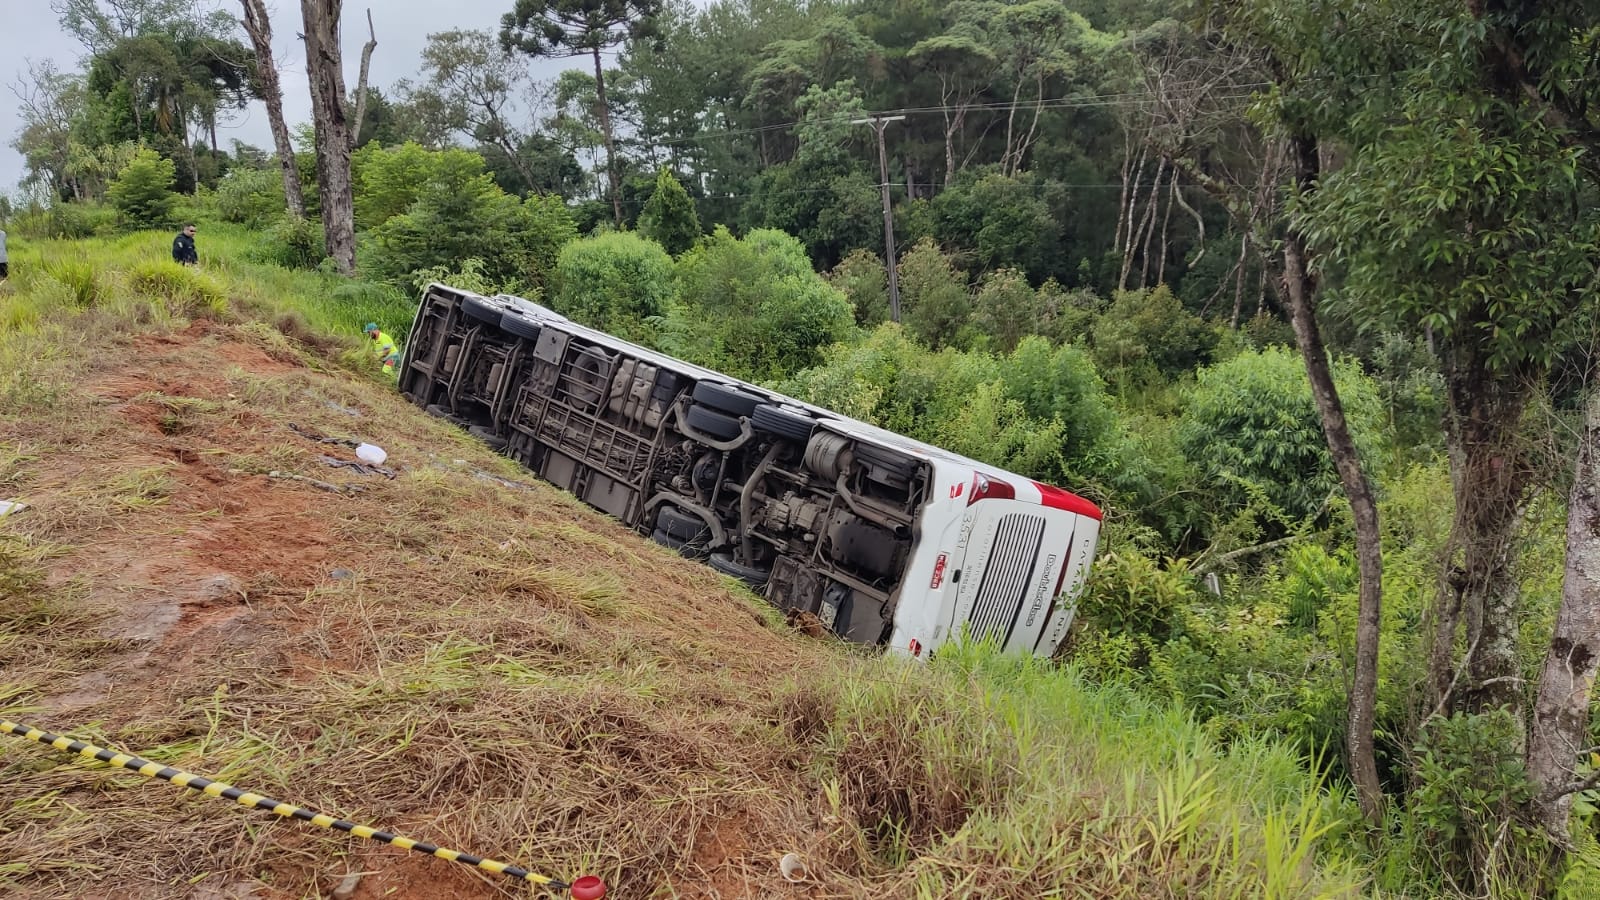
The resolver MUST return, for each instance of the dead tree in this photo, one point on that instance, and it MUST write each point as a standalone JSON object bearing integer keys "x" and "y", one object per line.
{"x": 325, "y": 71}
{"x": 259, "y": 27}
{"x": 361, "y": 82}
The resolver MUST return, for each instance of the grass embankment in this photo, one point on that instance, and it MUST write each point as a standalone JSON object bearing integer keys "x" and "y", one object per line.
{"x": 480, "y": 661}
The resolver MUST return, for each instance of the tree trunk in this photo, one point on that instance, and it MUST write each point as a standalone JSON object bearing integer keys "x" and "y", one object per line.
{"x": 1139, "y": 235}
{"x": 325, "y": 71}
{"x": 1150, "y": 229}
{"x": 1011, "y": 120}
{"x": 1300, "y": 288}
{"x": 611, "y": 146}
{"x": 1560, "y": 725}
{"x": 259, "y": 28}
{"x": 1491, "y": 476}
{"x": 1238, "y": 281}
{"x": 1128, "y": 231}
{"x": 361, "y": 83}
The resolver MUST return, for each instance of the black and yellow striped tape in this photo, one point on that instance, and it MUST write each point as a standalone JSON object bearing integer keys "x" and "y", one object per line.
{"x": 256, "y": 801}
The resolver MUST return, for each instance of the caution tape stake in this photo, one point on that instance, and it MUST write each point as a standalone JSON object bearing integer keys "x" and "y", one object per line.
{"x": 588, "y": 887}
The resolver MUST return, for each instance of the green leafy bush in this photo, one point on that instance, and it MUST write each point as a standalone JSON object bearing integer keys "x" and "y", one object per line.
{"x": 1008, "y": 309}
{"x": 1251, "y": 426}
{"x": 934, "y": 304}
{"x": 142, "y": 191}
{"x": 387, "y": 181}
{"x": 291, "y": 243}
{"x": 617, "y": 282}
{"x": 1146, "y": 335}
{"x": 1004, "y": 221}
{"x": 864, "y": 279}
{"x": 457, "y": 215}
{"x": 251, "y": 197}
{"x": 75, "y": 220}
{"x": 754, "y": 307}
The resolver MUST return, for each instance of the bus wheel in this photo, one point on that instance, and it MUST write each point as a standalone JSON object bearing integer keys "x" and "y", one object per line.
{"x": 724, "y": 563}
{"x": 487, "y": 435}
{"x": 680, "y": 526}
{"x": 482, "y": 310}
{"x": 721, "y": 426}
{"x": 783, "y": 422}
{"x": 725, "y": 398}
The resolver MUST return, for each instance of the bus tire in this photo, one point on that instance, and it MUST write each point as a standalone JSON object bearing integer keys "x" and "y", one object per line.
{"x": 783, "y": 422}
{"x": 666, "y": 540}
{"x": 442, "y": 412}
{"x": 680, "y": 526}
{"x": 724, "y": 563}
{"x": 487, "y": 435}
{"x": 725, "y": 398}
{"x": 482, "y": 310}
{"x": 512, "y": 323}
{"x": 718, "y": 425}
{"x": 903, "y": 466}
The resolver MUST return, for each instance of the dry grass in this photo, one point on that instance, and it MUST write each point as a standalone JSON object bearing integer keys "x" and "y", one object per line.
{"x": 499, "y": 669}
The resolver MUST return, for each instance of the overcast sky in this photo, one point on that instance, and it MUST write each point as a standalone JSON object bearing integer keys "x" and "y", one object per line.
{"x": 29, "y": 31}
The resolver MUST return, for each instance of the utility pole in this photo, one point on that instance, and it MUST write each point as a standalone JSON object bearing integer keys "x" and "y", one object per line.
{"x": 879, "y": 123}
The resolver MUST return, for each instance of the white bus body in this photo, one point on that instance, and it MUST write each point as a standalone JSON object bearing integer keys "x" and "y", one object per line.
{"x": 887, "y": 540}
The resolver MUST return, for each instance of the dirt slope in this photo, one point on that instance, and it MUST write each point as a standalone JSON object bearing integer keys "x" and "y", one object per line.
{"x": 458, "y": 653}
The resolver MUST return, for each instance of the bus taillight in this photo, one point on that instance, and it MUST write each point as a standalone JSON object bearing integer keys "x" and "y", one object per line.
{"x": 986, "y": 488}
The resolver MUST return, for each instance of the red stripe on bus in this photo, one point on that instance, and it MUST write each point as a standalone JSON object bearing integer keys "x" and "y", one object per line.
{"x": 1056, "y": 498}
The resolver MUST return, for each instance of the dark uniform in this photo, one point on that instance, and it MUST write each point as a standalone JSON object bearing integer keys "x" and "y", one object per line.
{"x": 183, "y": 250}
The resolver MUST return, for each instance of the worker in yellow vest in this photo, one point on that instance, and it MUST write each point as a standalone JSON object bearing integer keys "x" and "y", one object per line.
{"x": 384, "y": 346}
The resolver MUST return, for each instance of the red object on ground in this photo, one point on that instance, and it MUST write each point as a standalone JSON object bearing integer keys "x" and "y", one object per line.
{"x": 589, "y": 887}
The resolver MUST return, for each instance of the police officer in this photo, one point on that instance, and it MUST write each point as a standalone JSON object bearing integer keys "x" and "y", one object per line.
{"x": 183, "y": 247}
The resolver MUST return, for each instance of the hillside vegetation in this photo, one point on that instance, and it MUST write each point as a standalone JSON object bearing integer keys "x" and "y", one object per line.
{"x": 1301, "y": 292}
{"x": 474, "y": 659}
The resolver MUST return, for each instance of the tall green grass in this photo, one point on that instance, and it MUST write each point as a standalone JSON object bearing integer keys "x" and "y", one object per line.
{"x": 982, "y": 774}
{"x": 124, "y": 271}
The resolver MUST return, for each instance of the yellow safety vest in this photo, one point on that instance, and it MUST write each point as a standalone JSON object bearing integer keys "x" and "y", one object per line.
{"x": 384, "y": 346}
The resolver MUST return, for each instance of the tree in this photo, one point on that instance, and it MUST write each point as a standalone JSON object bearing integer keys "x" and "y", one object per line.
{"x": 257, "y": 24}
{"x": 962, "y": 63}
{"x": 575, "y": 28}
{"x": 476, "y": 84}
{"x": 325, "y": 70}
{"x": 51, "y": 103}
{"x": 669, "y": 216}
{"x": 143, "y": 190}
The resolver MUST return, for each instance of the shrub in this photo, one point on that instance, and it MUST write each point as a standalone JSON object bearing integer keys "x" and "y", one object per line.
{"x": 142, "y": 191}
{"x": 1148, "y": 333}
{"x": 1004, "y": 221}
{"x": 617, "y": 282}
{"x": 387, "y": 181}
{"x": 251, "y": 197}
{"x": 933, "y": 297}
{"x": 291, "y": 243}
{"x": 458, "y": 215}
{"x": 1008, "y": 309}
{"x": 185, "y": 291}
{"x": 754, "y": 307}
{"x": 81, "y": 279}
{"x": 864, "y": 279}
{"x": 1251, "y": 426}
